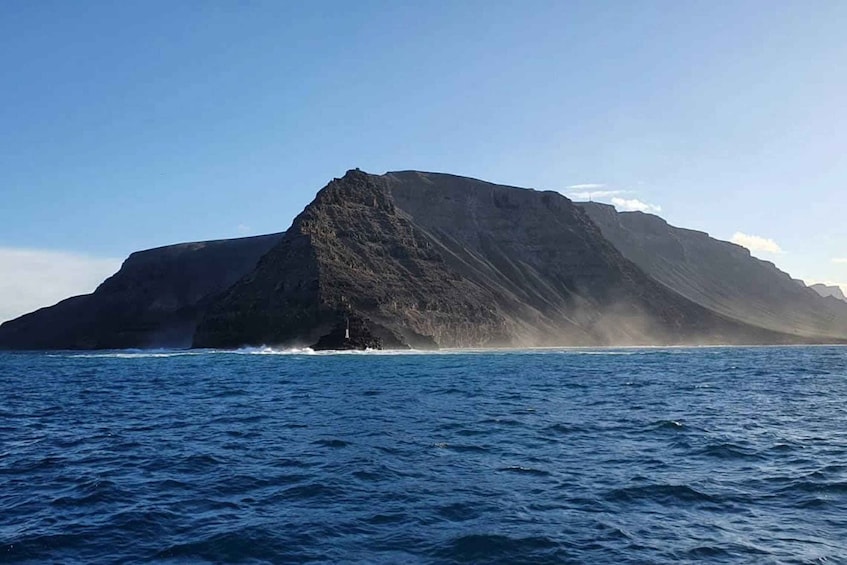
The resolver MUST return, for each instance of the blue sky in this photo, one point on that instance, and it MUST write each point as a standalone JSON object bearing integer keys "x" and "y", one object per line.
{"x": 129, "y": 125}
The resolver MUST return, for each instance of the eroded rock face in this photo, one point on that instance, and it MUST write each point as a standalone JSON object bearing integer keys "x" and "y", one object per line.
{"x": 152, "y": 301}
{"x": 429, "y": 259}
{"x": 719, "y": 275}
{"x": 355, "y": 333}
{"x": 423, "y": 260}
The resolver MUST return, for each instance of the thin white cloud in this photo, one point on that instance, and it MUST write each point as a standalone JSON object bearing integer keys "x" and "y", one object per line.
{"x": 634, "y": 205}
{"x": 33, "y": 278}
{"x": 243, "y": 229}
{"x": 756, "y": 243}
{"x": 585, "y": 186}
{"x": 839, "y": 260}
{"x": 592, "y": 194}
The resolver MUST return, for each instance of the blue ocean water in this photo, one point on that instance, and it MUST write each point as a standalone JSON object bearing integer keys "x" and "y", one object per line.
{"x": 546, "y": 456}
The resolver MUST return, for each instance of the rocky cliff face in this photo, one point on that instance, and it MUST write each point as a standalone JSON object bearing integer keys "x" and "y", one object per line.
{"x": 721, "y": 276}
{"x": 411, "y": 259}
{"x": 153, "y": 301}
{"x": 427, "y": 259}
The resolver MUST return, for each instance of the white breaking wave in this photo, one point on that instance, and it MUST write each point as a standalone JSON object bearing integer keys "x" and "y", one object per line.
{"x": 308, "y": 351}
{"x": 265, "y": 350}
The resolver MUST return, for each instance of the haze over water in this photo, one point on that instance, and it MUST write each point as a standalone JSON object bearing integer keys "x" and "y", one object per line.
{"x": 606, "y": 455}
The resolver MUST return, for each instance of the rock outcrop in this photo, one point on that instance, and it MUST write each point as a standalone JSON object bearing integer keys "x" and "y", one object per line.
{"x": 424, "y": 259}
{"x": 154, "y": 300}
{"x": 719, "y": 275}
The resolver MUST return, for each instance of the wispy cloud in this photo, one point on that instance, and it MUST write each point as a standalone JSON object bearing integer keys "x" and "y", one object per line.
{"x": 756, "y": 243}
{"x": 243, "y": 229}
{"x": 586, "y": 192}
{"x": 34, "y": 278}
{"x": 586, "y": 186}
{"x": 634, "y": 205}
{"x": 593, "y": 194}
{"x": 839, "y": 259}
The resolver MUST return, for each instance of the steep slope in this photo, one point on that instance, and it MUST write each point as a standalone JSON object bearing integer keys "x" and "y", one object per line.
{"x": 422, "y": 258}
{"x": 351, "y": 253}
{"x": 152, "y": 301}
{"x": 719, "y": 275}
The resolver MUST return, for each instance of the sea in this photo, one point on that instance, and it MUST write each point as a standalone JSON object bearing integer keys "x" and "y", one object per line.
{"x": 622, "y": 455}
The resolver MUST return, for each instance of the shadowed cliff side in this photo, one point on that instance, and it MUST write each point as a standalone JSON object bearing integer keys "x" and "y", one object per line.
{"x": 152, "y": 301}
{"x": 720, "y": 275}
{"x": 428, "y": 259}
{"x": 349, "y": 252}
{"x": 411, "y": 259}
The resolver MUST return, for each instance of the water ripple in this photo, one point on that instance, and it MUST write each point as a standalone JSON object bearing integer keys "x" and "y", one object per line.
{"x": 545, "y": 456}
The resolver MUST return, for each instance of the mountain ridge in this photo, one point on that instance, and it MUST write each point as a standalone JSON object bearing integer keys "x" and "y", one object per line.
{"x": 152, "y": 301}
{"x": 410, "y": 259}
{"x": 719, "y": 275}
{"x": 460, "y": 263}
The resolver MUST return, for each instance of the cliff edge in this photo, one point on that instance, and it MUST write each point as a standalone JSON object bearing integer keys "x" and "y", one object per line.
{"x": 719, "y": 275}
{"x": 425, "y": 259}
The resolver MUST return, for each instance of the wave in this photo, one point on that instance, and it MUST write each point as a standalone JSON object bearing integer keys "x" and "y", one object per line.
{"x": 216, "y": 455}
{"x": 269, "y": 350}
{"x": 132, "y": 354}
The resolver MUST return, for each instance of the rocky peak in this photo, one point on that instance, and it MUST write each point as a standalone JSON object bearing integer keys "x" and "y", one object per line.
{"x": 427, "y": 258}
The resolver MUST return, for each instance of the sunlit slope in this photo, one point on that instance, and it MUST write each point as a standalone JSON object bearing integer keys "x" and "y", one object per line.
{"x": 719, "y": 275}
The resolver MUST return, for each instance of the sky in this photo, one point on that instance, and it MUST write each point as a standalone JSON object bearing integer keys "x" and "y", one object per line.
{"x": 130, "y": 125}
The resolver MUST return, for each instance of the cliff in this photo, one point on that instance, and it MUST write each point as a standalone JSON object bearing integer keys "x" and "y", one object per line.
{"x": 154, "y": 300}
{"x": 718, "y": 275}
{"x": 424, "y": 259}
{"x": 412, "y": 259}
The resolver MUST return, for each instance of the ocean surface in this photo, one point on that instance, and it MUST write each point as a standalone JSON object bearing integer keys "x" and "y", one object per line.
{"x": 721, "y": 455}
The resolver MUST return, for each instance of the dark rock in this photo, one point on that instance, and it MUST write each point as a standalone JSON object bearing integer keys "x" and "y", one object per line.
{"x": 452, "y": 261}
{"x": 153, "y": 301}
{"x": 354, "y": 332}
{"x": 427, "y": 260}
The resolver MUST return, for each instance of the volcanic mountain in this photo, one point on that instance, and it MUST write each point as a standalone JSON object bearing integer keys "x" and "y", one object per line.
{"x": 414, "y": 259}
{"x": 424, "y": 259}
